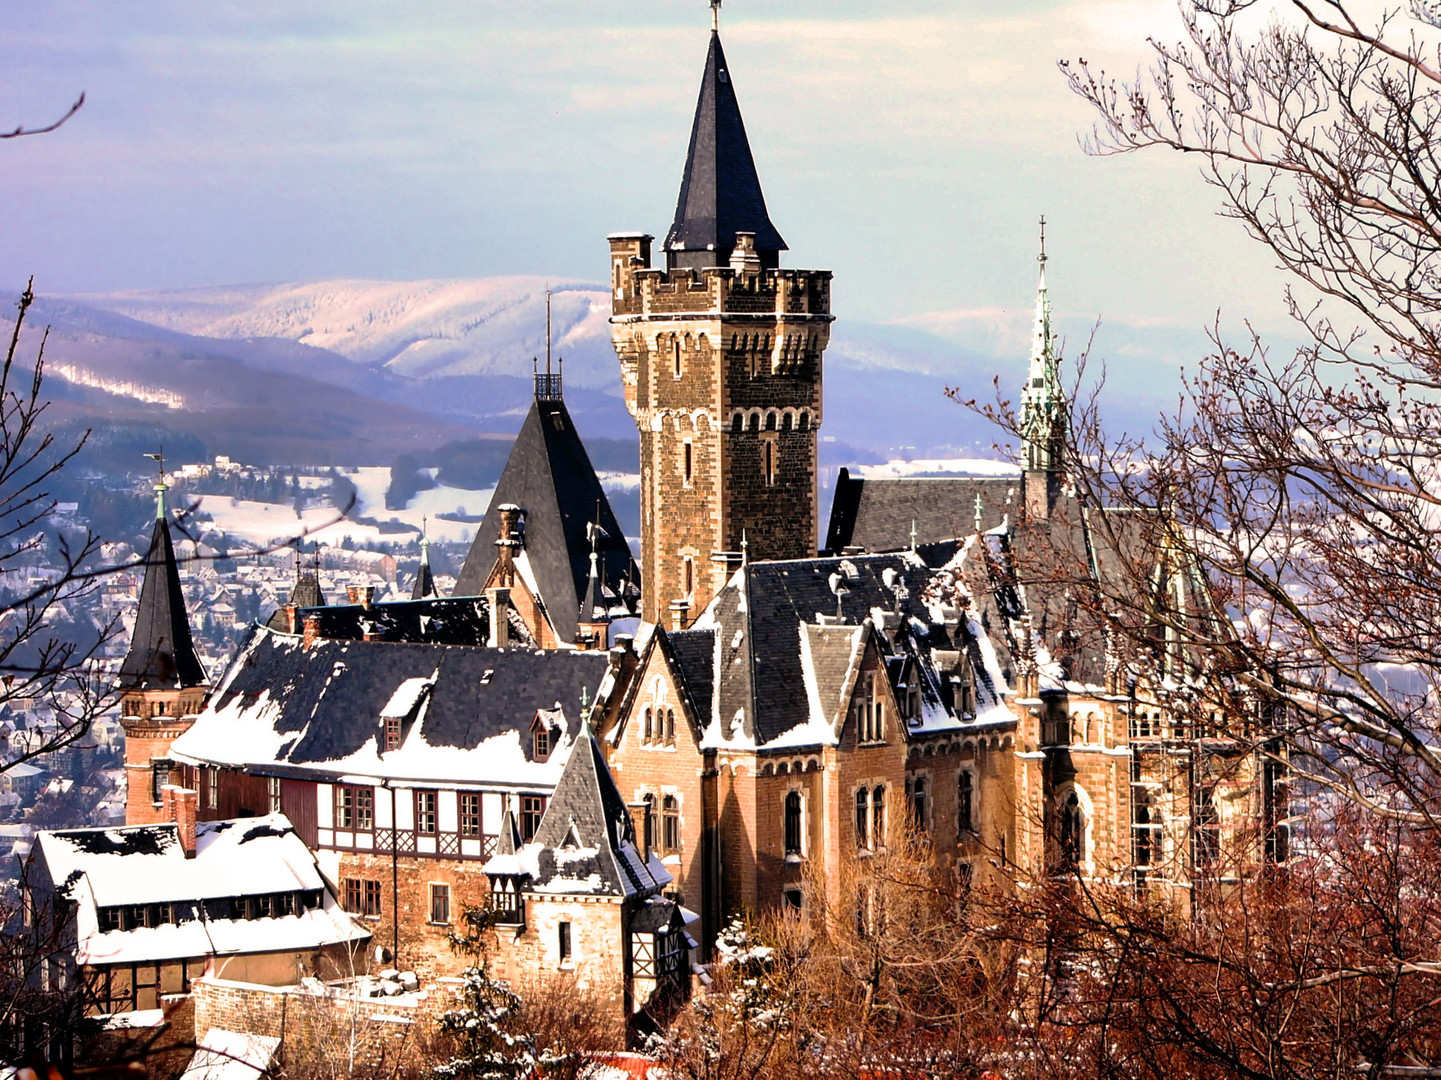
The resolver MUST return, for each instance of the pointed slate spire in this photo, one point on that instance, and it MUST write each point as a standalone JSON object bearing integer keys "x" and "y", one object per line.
{"x": 720, "y": 192}
{"x": 162, "y": 653}
{"x": 1043, "y": 404}
{"x": 424, "y": 580}
{"x": 586, "y": 837}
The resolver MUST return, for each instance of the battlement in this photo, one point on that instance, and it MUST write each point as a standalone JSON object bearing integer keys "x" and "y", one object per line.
{"x": 639, "y": 291}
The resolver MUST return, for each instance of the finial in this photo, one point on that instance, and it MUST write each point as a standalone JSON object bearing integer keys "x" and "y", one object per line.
{"x": 745, "y": 544}
{"x": 913, "y": 534}
{"x": 585, "y": 709}
{"x": 980, "y": 510}
{"x": 1042, "y": 256}
{"x": 715, "y": 15}
{"x": 160, "y": 485}
{"x": 547, "y": 330}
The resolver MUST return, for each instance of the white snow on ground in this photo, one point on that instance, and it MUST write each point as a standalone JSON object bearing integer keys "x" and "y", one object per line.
{"x": 951, "y": 466}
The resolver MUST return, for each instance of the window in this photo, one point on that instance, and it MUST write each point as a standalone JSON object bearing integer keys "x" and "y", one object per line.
{"x": 648, "y": 822}
{"x": 965, "y": 801}
{"x": 670, "y": 727}
{"x": 425, "y": 813}
{"x": 649, "y": 725}
{"x": 531, "y": 809}
{"x": 354, "y": 808}
{"x": 542, "y": 743}
{"x": 792, "y": 900}
{"x": 1072, "y": 832}
{"x": 688, "y": 459}
{"x": 564, "y": 942}
{"x": 768, "y": 462}
{"x": 1208, "y": 827}
{"x": 675, "y": 354}
{"x": 440, "y": 903}
{"x": 793, "y": 823}
{"x": 506, "y": 901}
{"x": 392, "y": 733}
{"x": 869, "y": 711}
{"x": 272, "y": 793}
{"x": 362, "y": 897}
{"x": 920, "y": 808}
{"x": 469, "y": 813}
{"x": 161, "y": 708}
{"x": 871, "y": 818}
{"x": 212, "y": 788}
{"x": 159, "y": 777}
{"x": 670, "y": 824}
{"x": 689, "y": 576}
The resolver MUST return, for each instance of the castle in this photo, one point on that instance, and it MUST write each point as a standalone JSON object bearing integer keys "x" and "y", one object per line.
{"x": 619, "y": 759}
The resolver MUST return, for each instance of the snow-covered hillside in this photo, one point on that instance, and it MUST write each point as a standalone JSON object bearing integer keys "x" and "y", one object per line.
{"x": 418, "y": 329}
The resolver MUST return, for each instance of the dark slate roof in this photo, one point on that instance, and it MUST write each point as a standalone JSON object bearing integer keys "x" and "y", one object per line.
{"x": 162, "y": 654}
{"x": 424, "y": 580}
{"x": 694, "y": 652}
{"x": 720, "y": 192}
{"x": 876, "y": 515}
{"x": 761, "y": 665}
{"x": 457, "y": 620}
{"x": 323, "y": 703}
{"x": 586, "y": 837}
{"x": 550, "y": 477}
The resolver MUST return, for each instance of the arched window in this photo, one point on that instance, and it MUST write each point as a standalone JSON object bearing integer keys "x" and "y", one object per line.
{"x": 863, "y": 818}
{"x": 676, "y": 354}
{"x": 649, "y": 822}
{"x": 670, "y": 824}
{"x": 649, "y": 726}
{"x": 1144, "y": 853}
{"x": 1208, "y": 827}
{"x": 965, "y": 801}
{"x": 1073, "y": 832}
{"x": 670, "y": 727}
{"x": 793, "y": 823}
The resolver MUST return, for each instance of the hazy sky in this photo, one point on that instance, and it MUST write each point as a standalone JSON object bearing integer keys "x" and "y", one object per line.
{"x": 909, "y": 146}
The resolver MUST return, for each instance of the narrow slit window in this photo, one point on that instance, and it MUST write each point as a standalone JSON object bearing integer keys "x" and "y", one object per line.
{"x": 689, "y": 463}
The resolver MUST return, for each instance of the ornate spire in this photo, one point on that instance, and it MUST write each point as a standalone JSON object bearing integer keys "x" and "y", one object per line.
{"x": 1043, "y": 404}
{"x": 424, "y": 579}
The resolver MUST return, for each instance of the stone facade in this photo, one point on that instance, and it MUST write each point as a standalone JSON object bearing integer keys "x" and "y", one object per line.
{"x": 722, "y": 372}
{"x": 152, "y": 720}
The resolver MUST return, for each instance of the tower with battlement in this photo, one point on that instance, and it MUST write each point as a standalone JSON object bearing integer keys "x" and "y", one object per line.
{"x": 720, "y": 356}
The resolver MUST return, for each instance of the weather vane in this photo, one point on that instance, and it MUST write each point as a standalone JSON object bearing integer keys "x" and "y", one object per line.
{"x": 1042, "y": 256}
{"x": 715, "y": 14}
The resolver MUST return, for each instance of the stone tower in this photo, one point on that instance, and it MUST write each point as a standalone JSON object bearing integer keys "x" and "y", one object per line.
{"x": 162, "y": 684}
{"x": 720, "y": 357}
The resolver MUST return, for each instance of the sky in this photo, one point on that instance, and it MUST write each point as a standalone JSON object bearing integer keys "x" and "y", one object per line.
{"x": 909, "y": 146}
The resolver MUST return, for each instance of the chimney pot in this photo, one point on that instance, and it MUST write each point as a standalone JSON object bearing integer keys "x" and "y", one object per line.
{"x": 312, "y": 630}
{"x": 181, "y": 806}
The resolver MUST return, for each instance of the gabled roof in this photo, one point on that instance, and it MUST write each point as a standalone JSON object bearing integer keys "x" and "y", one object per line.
{"x": 305, "y": 594}
{"x": 550, "y": 477}
{"x": 784, "y": 663}
{"x": 282, "y": 707}
{"x": 162, "y": 654}
{"x": 585, "y": 843}
{"x": 456, "y": 620}
{"x": 720, "y": 192}
{"x": 878, "y": 514}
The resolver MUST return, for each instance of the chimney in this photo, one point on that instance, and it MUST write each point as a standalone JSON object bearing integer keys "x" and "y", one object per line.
{"x": 312, "y": 630}
{"x": 499, "y": 600}
{"x": 367, "y": 596}
{"x": 678, "y": 611}
{"x": 637, "y": 821}
{"x": 290, "y": 619}
{"x": 370, "y": 631}
{"x": 352, "y": 593}
{"x": 507, "y": 542}
{"x": 180, "y": 806}
{"x": 744, "y": 259}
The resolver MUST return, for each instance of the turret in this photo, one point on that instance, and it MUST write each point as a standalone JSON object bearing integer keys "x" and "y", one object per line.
{"x": 162, "y": 683}
{"x": 1043, "y": 418}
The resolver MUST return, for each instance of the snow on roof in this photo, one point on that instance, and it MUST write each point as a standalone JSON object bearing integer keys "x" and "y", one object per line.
{"x": 407, "y": 695}
{"x": 231, "y": 1055}
{"x": 145, "y": 864}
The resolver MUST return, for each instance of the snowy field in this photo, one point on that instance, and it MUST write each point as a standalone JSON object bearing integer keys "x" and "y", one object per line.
{"x": 266, "y": 523}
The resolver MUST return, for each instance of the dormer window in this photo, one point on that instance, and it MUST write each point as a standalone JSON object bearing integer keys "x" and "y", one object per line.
{"x": 392, "y": 733}
{"x": 542, "y": 743}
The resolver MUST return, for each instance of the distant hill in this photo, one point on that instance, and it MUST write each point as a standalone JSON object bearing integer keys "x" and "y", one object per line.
{"x": 357, "y": 372}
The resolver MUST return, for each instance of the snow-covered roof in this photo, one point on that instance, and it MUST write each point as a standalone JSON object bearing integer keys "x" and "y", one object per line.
{"x": 465, "y": 711}
{"x": 142, "y": 865}
{"x": 231, "y": 1055}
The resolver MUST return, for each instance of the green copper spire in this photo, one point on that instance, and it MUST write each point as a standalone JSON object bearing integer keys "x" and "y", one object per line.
{"x": 160, "y": 486}
{"x": 1043, "y": 404}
